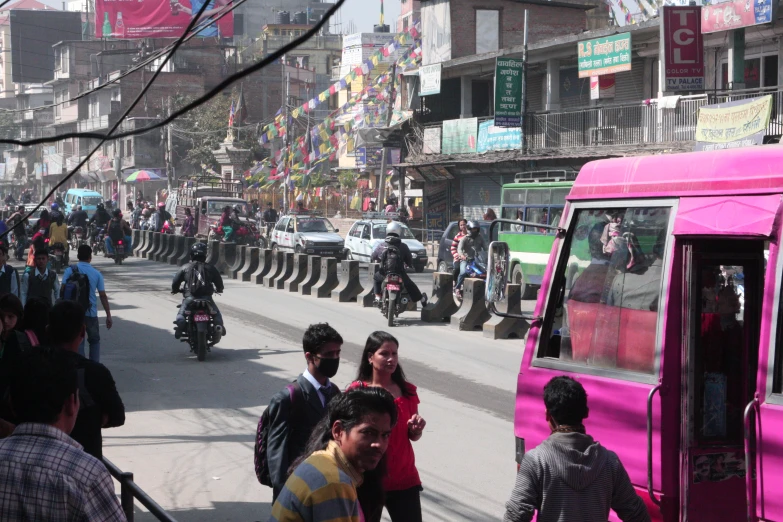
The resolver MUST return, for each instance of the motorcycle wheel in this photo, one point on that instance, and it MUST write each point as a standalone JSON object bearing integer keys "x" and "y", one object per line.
{"x": 201, "y": 346}
{"x": 390, "y": 312}
{"x": 119, "y": 260}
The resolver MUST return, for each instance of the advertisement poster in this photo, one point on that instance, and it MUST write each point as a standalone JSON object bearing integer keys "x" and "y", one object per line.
{"x": 498, "y": 138}
{"x": 611, "y": 54}
{"x": 432, "y": 139}
{"x": 158, "y": 19}
{"x": 508, "y": 92}
{"x": 733, "y": 124}
{"x": 429, "y": 79}
{"x": 735, "y": 14}
{"x": 459, "y": 136}
{"x": 684, "y": 48}
{"x": 602, "y": 87}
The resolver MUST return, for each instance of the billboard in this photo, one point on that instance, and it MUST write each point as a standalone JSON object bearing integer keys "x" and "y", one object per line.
{"x": 735, "y": 14}
{"x": 683, "y": 48}
{"x": 33, "y": 34}
{"x": 611, "y": 54}
{"x": 429, "y": 79}
{"x": 498, "y": 138}
{"x": 459, "y": 136}
{"x": 733, "y": 124}
{"x": 508, "y": 92}
{"x": 158, "y": 19}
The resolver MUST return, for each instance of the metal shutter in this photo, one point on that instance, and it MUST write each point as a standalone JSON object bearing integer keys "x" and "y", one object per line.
{"x": 535, "y": 93}
{"x": 629, "y": 86}
{"x": 480, "y": 193}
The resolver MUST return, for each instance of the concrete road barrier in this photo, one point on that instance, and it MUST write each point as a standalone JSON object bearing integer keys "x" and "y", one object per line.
{"x": 441, "y": 305}
{"x": 264, "y": 266}
{"x": 366, "y": 298}
{"x": 144, "y": 236}
{"x": 170, "y": 243}
{"x": 350, "y": 283}
{"x": 213, "y": 252}
{"x": 179, "y": 247}
{"x": 239, "y": 260}
{"x": 154, "y": 245}
{"x": 508, "y": 327}
{"x": 226, "y": 256}
{"x": 278, "y": 263}
{"x": 328, "y": 280}
{"x": 164, "y": 244}
{"x": 313, "y": 275}
{"x": 300, "y": 273}
{"x": 136, "y": 238}
{"x": 184, "y": 259}
{"x": 251, "y": 264}
{"x": 473, "y": 313}
{"x": 287, "y": 272}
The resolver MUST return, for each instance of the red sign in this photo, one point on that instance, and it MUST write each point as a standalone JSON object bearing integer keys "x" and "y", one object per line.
{"x": 683, "y": 48}
{"x": 735, "y": 14}
{"x": 158, "y": 18}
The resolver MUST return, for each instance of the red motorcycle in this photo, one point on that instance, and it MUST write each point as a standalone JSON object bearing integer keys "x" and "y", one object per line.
{"x": 244, "y": 234}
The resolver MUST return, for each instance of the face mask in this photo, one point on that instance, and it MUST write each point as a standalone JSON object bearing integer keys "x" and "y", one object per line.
{"x": 328, "y": 367}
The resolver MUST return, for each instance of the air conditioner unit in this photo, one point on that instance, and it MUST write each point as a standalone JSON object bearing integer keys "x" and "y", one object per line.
{"x": 602, "y": 135}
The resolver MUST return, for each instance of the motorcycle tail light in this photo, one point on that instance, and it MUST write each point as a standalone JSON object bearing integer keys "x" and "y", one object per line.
{"x": 119, "y": 242}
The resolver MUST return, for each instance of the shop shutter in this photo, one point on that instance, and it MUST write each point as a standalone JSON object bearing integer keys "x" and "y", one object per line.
{"x": 480, "y": 193}
{"x": 535, "y": 93}
{"x": 629, "y": 86}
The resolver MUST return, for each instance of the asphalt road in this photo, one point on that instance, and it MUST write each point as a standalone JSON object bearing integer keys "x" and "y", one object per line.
{"x": 190, "y": 426}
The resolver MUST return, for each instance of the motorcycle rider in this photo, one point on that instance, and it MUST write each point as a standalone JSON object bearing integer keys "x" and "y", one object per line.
{"x": 18, "y": 224}
{"x": 55, "y": 212}
{"x": 270, "y": 218}
{"x": 468, "y": 246}
{"x": 117, "y": 229}
{"x": 101, "y": 217}
{"x": 395, "y": 264}
{"x": 78, "y": 218}
{"x": 58, "y": 233}
{"x": 160, "y": 219}
{"x": 211, "y": 282}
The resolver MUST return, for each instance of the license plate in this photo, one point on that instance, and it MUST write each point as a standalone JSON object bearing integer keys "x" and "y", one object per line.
{"x": 201, "y": 318}
{"x": 120, "y": 250}
{"x": 393, "y": 287}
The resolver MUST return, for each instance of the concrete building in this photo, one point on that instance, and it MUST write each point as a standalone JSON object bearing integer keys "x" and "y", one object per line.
{"x": 251, "y": 17}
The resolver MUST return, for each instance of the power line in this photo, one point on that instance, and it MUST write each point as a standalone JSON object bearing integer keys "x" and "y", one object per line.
{"x": 273, "y": 57}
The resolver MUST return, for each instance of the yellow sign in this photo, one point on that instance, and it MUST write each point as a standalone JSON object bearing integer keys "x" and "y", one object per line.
{"x": 734, "y": 120}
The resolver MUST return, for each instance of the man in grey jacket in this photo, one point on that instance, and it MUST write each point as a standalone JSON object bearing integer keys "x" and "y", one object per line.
{"x": 570, "y": 476}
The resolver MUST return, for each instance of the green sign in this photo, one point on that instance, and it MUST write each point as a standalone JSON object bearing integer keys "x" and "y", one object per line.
{"x": 508, "y": 92}
{"x": 604, "y": 55}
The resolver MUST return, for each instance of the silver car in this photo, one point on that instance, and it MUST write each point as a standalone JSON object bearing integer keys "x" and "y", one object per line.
{"x": 307, "y": 234}
{"x": 366, "y": 235}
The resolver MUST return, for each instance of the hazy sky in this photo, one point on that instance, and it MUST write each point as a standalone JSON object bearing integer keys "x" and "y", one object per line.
{"x": 363, "y": 13}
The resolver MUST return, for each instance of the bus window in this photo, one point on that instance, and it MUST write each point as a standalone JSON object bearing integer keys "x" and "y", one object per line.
{"x": 538, "y": 197}
{"x": 512, "y": 213}
{"x": 537, "y": 215}
{"x": 514, "y": 196}
{"x": 559, "y": 196}
{"x": 609, "y": 290}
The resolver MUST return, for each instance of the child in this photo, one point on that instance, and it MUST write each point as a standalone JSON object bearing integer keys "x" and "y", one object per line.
{"x": 612, "y": 238}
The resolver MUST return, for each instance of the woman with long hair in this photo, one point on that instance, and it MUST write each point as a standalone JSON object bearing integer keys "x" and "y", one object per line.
{"x": 36, "y": 317}
{"x": 380, "y": 368}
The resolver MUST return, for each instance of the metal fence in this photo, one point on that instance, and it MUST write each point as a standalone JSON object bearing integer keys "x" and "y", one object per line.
{"x": 130, "y": 490}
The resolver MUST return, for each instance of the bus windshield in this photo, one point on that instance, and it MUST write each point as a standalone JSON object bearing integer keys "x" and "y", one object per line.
{"x": 91, "y": 201}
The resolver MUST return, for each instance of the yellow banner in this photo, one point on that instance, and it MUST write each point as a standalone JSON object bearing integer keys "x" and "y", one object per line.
{"x": 733, "y": 121}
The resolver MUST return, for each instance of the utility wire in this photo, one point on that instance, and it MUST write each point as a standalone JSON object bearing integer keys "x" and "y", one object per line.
{"x": 198, "y": 101}
{"x": 178, "y": 43}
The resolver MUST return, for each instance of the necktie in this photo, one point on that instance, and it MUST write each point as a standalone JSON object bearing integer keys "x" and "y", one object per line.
{"x": 326, "y": 391}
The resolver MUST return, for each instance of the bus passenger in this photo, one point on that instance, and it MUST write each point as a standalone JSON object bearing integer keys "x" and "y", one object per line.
{"x": 570, "y": 476}
{"x": 592, "y": 285}
{"x": 639, "y": 287}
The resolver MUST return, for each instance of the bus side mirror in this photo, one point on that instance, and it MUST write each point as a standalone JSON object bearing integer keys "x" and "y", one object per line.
{"x": 497, "y": 272}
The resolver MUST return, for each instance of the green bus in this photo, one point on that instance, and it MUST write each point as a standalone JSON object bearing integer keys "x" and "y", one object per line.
{"x": 535, "y": 197}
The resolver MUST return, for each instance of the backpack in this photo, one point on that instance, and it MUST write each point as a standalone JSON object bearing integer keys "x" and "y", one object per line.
{"x": 391, "y": 260}
{"x": 77, "y": 289}
{"x": 115, "y": 231}
{"x": 198, "y": 280}
{"x": 262, "y": 434}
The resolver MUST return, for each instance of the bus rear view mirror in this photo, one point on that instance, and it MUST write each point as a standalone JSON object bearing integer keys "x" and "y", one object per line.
{"x": 497, "y": 272}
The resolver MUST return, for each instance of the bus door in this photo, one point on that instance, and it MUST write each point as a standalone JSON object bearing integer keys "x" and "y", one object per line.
{"x": 722, "y": 293}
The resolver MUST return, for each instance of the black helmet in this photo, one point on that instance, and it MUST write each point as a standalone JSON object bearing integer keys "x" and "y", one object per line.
{"x": 116, "y": 213}
{"x": 473, "y": 228}
{"x": 198, "y": 252}
{"x": 101, "y": 207}
{"x": 238, "y": 208}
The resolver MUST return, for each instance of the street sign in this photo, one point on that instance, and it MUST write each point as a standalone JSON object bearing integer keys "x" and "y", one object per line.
{"x": 735, "y": 14}
{"x": 607, "y": 55}
{"x": 508, "y": 92}
{"x": 683, "y": 48}
{"x": 733, "y": 124}
{"x": 429, "y": 79}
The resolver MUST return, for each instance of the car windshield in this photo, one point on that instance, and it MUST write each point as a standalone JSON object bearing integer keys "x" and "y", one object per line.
{"x": 314, "y": 225}
{"x": 379, "y": 231}
{"x": 91, "y": 200}
{"x": 215, "y": 207}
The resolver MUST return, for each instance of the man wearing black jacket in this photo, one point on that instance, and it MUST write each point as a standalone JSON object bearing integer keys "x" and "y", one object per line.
{"x": 291, "y": 423}
{"x": 208, "y": 280}
{"x": 100, "y": 403}
{"x": 78, "y": 218}
{"x": 270, "y": 217}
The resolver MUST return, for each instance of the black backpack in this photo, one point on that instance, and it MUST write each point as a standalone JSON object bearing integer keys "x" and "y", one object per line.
{"x": 77, "y": 289}
{"x": 115, "y": 232}
{"x": 262, "y": 434}
{"x": 198, "y": 280}
{"x": 391, "y": 260}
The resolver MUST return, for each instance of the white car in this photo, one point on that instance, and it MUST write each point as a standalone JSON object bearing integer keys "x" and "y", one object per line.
{"x": 367, "y": 234}
{"x": 307, "y": 234}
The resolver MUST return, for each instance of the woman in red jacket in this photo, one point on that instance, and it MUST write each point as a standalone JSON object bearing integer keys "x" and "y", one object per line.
{"x": 379, "y": 367}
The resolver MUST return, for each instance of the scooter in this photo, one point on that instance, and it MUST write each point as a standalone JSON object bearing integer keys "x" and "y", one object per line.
{"x": 476, "y": 269}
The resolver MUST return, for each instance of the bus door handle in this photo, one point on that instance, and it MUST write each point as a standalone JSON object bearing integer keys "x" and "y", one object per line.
{"x": 750, "y": 496}
{"x": 650, "y": 445}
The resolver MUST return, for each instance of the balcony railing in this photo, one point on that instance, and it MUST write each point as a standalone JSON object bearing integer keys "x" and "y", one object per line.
{"x": 97, "y": 123}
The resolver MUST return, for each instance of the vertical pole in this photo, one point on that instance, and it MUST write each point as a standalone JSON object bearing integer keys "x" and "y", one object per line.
{"x": 169, "y": 148}
{"x": 385, "y": 150}
{"x": 523, "y": 120}
{"x": 126, "y": 495}
{"x": 288, "y": 128}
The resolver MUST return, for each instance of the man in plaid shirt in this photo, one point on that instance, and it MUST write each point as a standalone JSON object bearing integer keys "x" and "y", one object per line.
{"x": 44, "y": 474}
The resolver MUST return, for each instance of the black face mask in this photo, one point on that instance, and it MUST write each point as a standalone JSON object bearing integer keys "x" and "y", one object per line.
{"x": 328, "y": 367}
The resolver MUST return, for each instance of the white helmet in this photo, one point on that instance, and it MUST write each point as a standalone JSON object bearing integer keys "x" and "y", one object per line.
{"x": 394, "y": 229}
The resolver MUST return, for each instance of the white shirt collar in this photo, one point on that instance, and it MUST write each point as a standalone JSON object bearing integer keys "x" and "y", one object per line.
{"x": 2, "y": 270}
{"x": 312, "y": 380}
{"x": 45, "y": 274}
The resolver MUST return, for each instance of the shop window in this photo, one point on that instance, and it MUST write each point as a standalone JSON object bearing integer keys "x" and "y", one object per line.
{"x": 770, "y": 71}
{"x": 487, "y": 31}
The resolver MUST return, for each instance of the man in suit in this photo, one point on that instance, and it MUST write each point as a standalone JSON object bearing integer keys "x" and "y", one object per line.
{"x": 292, "y": 421}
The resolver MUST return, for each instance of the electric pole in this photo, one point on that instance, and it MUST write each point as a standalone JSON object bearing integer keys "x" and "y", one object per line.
{"x": 169, "y": 149}
{"x": 385, "y": 149}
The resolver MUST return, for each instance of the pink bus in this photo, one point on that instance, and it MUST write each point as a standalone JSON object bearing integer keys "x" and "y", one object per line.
{"x": 662, "y": 297}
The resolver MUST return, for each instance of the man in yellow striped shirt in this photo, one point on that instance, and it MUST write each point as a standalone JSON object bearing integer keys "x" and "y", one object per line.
{"x": 350, "y": 440}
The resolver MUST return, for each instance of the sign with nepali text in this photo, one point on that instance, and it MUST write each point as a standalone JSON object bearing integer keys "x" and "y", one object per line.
{"x": 459, "y": 136}
{"x": 429, "y": 79}
{"x": 508, "y": 92}
{"x": 683, "y": 48}
{"x": 733, "y": 124}
{"x": 491, "y": 137}
{"x": 607, "y": 55}
{"x": 160, "y": 19}
{"x": 735, "y": 14}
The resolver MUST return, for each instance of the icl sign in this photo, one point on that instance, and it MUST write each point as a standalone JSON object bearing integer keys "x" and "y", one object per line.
{"x": 683, "y": 48}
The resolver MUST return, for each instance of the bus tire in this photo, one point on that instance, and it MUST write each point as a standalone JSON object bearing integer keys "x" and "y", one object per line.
{"x": 518, "y": 278}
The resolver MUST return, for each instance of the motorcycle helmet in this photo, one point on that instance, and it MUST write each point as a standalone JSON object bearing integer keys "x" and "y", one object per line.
{"x": 55, "y": 206}
{"x": 239, "y": 209}
{"x": 473, "y": 228}
{"x": 101, "y": 207}
{"x": 161, "y": 205}
{"x": 117, "y": 213}
{"x": 394, "y": 229}
{"x": 198, "y": 252}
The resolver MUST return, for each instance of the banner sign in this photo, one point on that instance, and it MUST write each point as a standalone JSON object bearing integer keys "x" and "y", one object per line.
{"x": 735, "y": 14}
{"x": 508, "y": 92}
{"x": 459, "y": 136}
{"x": 429, "y": 79}
{"x": 733, "y": 124}
{"x": 683, "y": 48}
{"x": 602, "y": 87}
{"x": 370, "y": 157}
{"x": 498, "y": 138}
{"x": 606, "y": 55}
{"x": 158, "y": 19}
{"x": 432, "y": 139}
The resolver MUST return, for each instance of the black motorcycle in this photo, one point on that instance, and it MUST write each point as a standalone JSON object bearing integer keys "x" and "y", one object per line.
{"x": 395, "y": 298}
{"x": 120, "y": 251}
{"x": 97, "y": 235}
{"x": 200, "y": 331}
{"x": 58, "y": 257}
